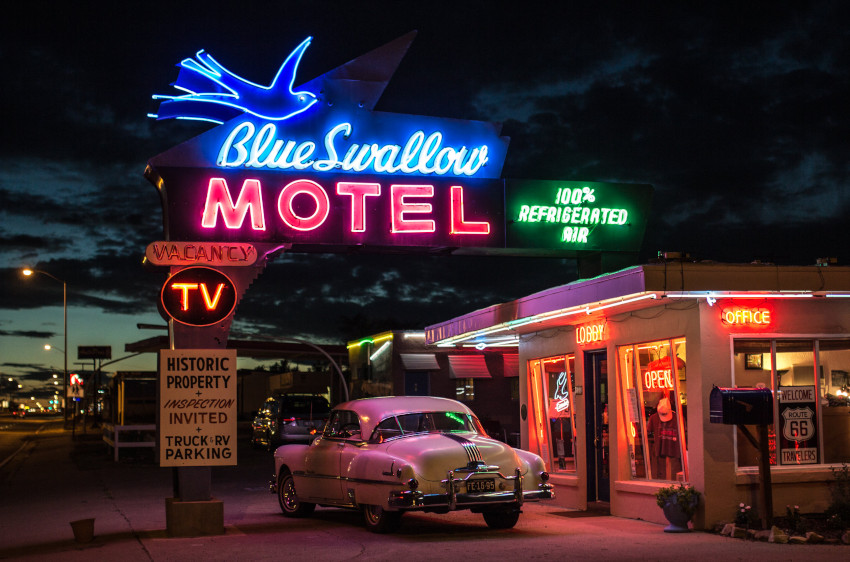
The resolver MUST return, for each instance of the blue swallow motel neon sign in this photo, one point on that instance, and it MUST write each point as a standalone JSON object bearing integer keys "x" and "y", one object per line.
{"x": 276, "y": 128}
{"x": 252, "y": 147}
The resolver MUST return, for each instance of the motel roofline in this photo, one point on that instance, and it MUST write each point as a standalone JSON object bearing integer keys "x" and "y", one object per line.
{"x": 635, "y": 288}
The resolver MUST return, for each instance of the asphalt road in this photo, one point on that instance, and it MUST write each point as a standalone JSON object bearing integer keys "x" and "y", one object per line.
{"x": 55, "y": 480}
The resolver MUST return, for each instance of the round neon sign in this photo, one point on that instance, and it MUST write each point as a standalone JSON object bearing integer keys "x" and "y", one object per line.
{"x": 198, "y": 296}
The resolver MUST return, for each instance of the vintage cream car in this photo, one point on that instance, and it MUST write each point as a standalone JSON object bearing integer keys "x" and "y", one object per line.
{"x": 389, "y": 455}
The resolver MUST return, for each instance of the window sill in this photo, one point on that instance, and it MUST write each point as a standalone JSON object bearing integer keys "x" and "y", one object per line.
{"x": 564, "y": 479}
{"x": 787, "y": 474}
{"x": 647, "y": 488}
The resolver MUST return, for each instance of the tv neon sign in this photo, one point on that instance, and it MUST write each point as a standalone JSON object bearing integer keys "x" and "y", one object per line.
{"x": 746, "y": 316}
{"x": 410, "y": 207}
{"x": 590, "y": 333}
{"x": 198, "y": 296}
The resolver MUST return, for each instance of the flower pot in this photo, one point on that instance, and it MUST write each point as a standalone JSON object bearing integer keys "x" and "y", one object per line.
{"x": 676, "y": 516}
{"x": 83, "y": 530}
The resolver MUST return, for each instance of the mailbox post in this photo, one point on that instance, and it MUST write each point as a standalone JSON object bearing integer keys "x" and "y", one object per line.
{"x": 742, "y": 407}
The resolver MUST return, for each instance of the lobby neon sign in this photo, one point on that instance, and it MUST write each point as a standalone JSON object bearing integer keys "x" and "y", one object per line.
{"x": 590, "y": 333}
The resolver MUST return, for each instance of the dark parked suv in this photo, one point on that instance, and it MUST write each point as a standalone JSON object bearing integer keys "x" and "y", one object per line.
{"x": 289, "y": 418}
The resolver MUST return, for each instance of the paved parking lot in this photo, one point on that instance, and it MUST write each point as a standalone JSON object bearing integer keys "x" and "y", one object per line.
{"x": 55, "y": 480}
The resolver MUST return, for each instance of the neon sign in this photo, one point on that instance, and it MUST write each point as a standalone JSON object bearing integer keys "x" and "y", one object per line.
{"x": 590, "y": 333}
{"x": 576, "y": 215}
{"x": 198, "y": 296}
{"x": 659, "y": 374}
{"x": 746, "y": 316}
{"x": 215, "y": 94}
{"x": 562, "y": 393}
{"x": 249, "y": 147}
{"x": 333, "y": 209}
{"x": 658, "y": 379}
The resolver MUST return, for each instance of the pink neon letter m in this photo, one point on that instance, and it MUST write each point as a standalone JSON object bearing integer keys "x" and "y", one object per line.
{"x": 218, "y": 197}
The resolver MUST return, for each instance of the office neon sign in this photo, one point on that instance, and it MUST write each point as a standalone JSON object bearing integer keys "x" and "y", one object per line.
{"x": 746, "y": 316}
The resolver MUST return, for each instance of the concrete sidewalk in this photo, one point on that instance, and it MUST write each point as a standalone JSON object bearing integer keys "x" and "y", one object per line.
{"x": 55, "y": 480}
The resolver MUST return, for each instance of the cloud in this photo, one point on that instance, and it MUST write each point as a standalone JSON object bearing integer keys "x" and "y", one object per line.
{"x": 32, "y": 334}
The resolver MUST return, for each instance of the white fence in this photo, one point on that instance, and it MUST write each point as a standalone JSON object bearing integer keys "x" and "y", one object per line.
{"x": 129, "y": 437}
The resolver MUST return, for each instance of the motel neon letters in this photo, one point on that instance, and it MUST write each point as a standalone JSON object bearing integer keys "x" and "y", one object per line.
{"x": 410, "y": 206}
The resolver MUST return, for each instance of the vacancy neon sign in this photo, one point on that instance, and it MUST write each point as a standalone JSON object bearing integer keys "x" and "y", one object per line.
{"x": 304, "y": 205}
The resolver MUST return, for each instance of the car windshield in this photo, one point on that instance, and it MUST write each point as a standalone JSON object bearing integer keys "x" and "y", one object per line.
{"x": 425, "y": 422}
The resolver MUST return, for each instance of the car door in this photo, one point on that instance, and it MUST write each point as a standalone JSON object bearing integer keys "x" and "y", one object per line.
{"x": 323, "y": 480}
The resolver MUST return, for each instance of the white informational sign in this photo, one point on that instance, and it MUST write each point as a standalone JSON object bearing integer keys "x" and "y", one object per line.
{"x": 75, "y": 391}
{"x": 197, "y": 407}
{"x": 798, "y": 442}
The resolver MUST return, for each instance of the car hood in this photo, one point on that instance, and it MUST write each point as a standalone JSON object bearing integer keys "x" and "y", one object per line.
{"x": 434, "y": 454}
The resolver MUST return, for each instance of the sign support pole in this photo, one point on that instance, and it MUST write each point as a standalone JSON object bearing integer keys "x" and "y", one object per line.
{"x": 765, "y": 484}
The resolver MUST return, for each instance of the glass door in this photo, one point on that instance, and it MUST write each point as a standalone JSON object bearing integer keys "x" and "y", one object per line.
{"x": 596, "y": 423}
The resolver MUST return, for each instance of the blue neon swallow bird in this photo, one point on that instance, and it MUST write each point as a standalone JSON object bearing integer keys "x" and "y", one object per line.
{"x": 215, "y": 94}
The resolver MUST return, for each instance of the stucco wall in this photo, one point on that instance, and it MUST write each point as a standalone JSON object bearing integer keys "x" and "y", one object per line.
{"x": 711, "y": 447}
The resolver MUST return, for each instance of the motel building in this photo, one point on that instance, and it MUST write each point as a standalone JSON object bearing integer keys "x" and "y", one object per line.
{"x": 616, "y": 373}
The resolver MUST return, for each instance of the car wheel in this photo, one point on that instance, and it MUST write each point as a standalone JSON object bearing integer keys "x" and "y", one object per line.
{"x": 380, "y": 521}
{"x": 501, "y": 519}
{"x": 290, "y": 505}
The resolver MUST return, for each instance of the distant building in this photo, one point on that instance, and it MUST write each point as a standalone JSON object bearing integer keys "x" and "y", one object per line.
{"x": 399, "y": 363}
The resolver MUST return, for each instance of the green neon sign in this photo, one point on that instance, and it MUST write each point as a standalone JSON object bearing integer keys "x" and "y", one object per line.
{"x": 576, "y": 215}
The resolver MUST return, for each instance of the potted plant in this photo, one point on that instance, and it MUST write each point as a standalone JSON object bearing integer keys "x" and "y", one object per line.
{"x": 679, "y": 503}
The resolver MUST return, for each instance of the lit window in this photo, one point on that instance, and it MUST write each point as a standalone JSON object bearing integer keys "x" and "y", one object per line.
{"x": 465, "y": 389}
{"x": 654, "y": 401}
{"x": 809, "y": 380}
{"x": 552, "y": 391}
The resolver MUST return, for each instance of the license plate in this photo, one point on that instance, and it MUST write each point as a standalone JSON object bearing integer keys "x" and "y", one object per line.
{"x": 481, "y": 485}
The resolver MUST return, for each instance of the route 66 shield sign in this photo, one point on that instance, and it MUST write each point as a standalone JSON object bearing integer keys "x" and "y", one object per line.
{"x": 798, "y": 424}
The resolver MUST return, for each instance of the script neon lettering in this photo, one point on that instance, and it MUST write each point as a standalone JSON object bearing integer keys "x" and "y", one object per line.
{"x": 458, "y": 225}
{"x": 313, "y": 190}
{"x": 358, "y": 193}
{"x": 399, "y": 208}
{"x": 245, "y": 146}
{"x": 218, "y": 198}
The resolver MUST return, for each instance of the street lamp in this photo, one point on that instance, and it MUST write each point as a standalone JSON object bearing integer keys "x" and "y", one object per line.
{"x": 28, "y": 272}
